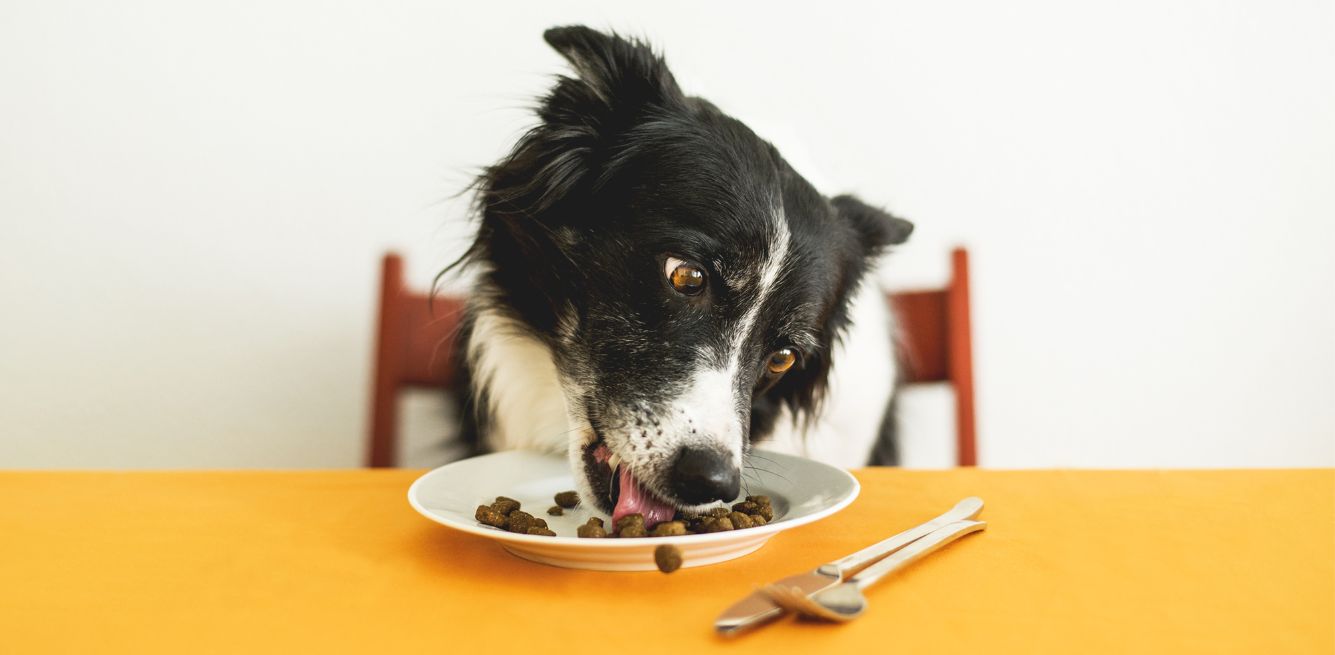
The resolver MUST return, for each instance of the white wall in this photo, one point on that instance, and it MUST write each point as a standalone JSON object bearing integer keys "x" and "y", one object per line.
{"x": 193, "y": 198}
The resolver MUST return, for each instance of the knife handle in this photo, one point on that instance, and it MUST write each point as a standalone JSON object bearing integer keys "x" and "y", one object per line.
{"x": 915, "y": 551}
{"x": 846, "y": 566}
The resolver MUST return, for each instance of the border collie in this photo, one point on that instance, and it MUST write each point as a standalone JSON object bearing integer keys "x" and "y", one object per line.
{"x": 658, "y": 290}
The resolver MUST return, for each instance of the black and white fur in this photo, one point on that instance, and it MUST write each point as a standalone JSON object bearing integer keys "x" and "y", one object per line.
{"x": 574, "y": 336}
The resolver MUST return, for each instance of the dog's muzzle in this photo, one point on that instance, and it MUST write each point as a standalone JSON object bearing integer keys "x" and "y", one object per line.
{"x": 703, "y": 475}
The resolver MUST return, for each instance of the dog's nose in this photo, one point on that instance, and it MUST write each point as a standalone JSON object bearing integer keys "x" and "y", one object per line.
{"x": 703, "y": 475}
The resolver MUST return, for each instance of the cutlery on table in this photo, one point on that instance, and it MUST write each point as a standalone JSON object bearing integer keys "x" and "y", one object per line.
{"x": 758, "y": 608}
{"x": 844, "y": 601}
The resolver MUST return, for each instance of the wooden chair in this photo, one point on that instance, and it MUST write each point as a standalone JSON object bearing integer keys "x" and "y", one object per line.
{"x": 935, "y": 343}
{"x": 415, "y": 349}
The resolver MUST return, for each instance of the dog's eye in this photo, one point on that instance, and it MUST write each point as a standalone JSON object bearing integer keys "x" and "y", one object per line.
{"x": 686, "y": 278}
{"x": 781, "y": 360}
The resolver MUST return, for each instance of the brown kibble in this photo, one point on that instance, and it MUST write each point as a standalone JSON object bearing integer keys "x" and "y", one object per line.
{"x": 668, "y": 529}
{"x": 567, "y": 499}
{"x": 719, "y": 525}
{"x": 505, "y": 505}
{"x": 519, "y": 521}
{"x": 762, "y": 506}
{"x": 741, "y": 521}
{"x": 667, "y": 557}
{"x": 629, "y": 519}
{"x": 632, "y": 530}
{"x": 487, "y": 515}
{"x": 506, "y": 513}
{"x": 591, "y": 531}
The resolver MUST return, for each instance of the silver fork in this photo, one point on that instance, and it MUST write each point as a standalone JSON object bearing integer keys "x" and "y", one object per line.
{"x": 844, "y": 601}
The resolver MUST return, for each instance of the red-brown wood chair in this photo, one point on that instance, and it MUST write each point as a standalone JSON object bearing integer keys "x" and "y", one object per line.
{"x": 415, "y": 349}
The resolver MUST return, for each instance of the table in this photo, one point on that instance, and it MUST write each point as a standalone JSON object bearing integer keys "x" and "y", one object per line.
{"x": 336, "y": 561}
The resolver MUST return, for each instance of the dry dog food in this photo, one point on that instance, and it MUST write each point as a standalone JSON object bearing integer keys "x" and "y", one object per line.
{"x": 520, "y": 521}
{"x": 754, "y": 511}
{"x": 630, "y": 525}
{"x": 567, "y": 499}
{"x": 668, "y": 529}
{"x": 505, "y": 505}
{"x": 488, "y": 515}
{"x": 505, "y": 513}
{"x": 593, "y": 529}
{"x": 667, "y": 557}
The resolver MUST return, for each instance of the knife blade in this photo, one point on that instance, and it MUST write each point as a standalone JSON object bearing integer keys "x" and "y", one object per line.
{"x": 757, "y": 608}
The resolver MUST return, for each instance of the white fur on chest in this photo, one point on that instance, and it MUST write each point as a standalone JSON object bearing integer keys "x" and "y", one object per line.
{"x": 523, "y": 393}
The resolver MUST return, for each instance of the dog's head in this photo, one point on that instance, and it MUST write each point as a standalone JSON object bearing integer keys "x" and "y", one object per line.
{"x": 688, "y": 282}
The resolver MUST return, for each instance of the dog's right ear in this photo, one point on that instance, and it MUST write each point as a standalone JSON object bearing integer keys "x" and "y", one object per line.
{"x": 618, "y": 82}
{"x": 618, "y": 77}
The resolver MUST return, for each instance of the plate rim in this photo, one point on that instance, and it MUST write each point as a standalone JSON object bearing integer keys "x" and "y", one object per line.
{"x": 769, "y": 529}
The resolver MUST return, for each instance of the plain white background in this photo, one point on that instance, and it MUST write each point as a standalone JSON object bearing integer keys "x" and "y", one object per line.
{"x": 194, "y": 197}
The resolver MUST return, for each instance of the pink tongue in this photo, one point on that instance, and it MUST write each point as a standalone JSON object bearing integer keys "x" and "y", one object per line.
{"x": 634, "y": 499}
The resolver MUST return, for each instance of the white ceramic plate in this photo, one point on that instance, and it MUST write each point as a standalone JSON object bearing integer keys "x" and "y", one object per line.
{"x": 800, "y": 490}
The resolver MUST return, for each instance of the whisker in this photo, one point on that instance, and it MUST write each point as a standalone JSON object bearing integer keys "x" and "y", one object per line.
{"x": 577, "y": 429}
{"x": 752, "y": 458}
{"x": 773, "y": 473}
{"x": 754, "y": 455}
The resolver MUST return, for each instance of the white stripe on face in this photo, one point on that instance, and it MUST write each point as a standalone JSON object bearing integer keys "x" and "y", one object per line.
{"x": 769, "y": 274}
{"x": 711, "y": 401}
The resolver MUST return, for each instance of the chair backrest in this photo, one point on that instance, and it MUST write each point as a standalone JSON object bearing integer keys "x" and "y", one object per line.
{"x": 415, "y": 349}
{"x": 935, "y": 344}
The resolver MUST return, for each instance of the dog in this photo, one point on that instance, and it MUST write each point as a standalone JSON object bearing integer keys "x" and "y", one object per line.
{"x": 657, "y": 290}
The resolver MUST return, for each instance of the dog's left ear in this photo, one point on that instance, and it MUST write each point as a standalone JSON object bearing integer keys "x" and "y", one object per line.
{"x": 877, "y": 229}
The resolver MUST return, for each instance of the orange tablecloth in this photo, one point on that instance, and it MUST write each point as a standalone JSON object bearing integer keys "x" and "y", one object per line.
{"x": 1072, "y": 562}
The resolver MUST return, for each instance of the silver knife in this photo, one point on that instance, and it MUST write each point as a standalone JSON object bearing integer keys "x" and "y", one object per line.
{"x": 757, "y": 608}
